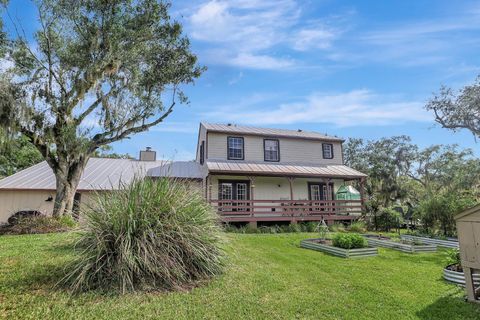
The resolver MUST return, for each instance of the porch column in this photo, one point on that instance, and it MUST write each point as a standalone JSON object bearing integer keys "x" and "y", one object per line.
{"x": 290, "y": 182}
{"x": 205, "y": 187}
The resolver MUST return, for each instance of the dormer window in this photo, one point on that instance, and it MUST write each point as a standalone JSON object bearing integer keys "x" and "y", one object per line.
{"x": 235, "y": 149}
{"x": 271, "y": 150}
{"x": 327, "y": 149}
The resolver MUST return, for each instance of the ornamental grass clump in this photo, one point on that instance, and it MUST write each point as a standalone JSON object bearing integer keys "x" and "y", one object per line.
{"x": 149, "y": 235}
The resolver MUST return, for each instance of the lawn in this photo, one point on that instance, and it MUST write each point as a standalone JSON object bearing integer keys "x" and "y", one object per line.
{"x": 268, "y": 277}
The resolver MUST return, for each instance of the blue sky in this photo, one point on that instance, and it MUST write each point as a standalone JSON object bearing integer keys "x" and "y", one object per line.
{"x": 349, "y": 68}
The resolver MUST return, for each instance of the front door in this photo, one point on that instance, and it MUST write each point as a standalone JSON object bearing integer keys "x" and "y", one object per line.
{"x": 234, "y": 190}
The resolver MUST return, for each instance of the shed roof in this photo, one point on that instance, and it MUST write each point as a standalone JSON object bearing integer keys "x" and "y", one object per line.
{"x": 467, "y": 212}
{"x": 284, "y": 169}
{"x": 236, "y": 129}
{"x": 178, "y": 169}
{"x": 99, "y": 174}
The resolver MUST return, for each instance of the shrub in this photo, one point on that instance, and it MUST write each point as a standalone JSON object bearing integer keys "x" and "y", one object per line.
{"x": 357, "y": 226}
{"x": 452, "y": 256}
{"x": 310, "y": 226}
{"x": 38, "y": 224}
{"x": 349, "y": 241}
{"x": 337, "y": 227}
{"x": 150, "y": 234}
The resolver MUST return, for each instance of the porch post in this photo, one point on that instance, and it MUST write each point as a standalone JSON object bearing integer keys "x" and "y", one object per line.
{"x": 290, "y": 182}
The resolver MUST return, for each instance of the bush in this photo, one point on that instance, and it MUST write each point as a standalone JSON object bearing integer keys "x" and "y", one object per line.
{"x": 151, "y": 234}
{"x": 36, "y": 224}
{"x": 452, "y": 256}
{"x": 349, "y": 241}
{"x": 337, "y": 227}
{"x": 357, "y": 226}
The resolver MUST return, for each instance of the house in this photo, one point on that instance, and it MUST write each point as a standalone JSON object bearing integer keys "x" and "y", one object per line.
{"x": 248, "y": 174}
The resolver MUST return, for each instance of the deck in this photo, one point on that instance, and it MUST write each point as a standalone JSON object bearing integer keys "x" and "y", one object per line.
{"x": 287, "y": 210}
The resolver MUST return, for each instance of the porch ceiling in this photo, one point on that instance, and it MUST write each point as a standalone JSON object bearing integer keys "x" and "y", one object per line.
{"x": 283, "y": 169}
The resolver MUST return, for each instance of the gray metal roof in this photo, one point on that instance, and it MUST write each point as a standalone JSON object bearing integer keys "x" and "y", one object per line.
{"x": 179, "y": 169}
{"x": 99, "y": 174}
{"x": 236, "y": 129}
{"x": 284, "y": 169}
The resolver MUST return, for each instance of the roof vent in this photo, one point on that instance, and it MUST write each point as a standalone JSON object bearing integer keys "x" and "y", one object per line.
{"x": 148, "y": 154}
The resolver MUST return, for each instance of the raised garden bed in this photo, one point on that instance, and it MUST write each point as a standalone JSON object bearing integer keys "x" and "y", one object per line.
{"x": 438, "y": 242}
{"x": 454, "y": 274}
{"x": 327, "y": 247}
{"x": 408, "y": 246}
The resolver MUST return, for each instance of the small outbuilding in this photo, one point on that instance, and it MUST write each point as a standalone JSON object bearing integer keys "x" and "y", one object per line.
{"x": 468, "y": 227}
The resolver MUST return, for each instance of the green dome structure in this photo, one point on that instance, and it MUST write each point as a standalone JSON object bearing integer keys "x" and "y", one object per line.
{"x": 347, "y": 193}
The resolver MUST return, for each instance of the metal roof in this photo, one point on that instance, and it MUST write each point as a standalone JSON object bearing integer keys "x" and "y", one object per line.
{"x": 284, "y": 169}
{"x": 179, "y": 169}
{"x": 236, "y": 129}
{"x": 99, "y": 174}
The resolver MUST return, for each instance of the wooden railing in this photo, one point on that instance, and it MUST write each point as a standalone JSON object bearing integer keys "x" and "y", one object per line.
{"x": 286, "y": 208}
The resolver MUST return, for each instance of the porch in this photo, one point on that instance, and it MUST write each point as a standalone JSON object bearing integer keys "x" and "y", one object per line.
{"x": 278, "y": 198}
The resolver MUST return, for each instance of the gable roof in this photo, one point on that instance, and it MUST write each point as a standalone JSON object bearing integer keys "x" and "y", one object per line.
{"x": 467, "y": 212}
{"x": 299, "y": 134}
{"x": 99, "y": 174}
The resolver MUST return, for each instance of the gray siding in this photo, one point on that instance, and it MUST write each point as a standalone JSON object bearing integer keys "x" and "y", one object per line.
{"x": 291, "y": 149}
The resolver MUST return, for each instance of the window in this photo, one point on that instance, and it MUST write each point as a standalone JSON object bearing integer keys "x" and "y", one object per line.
{"x": 327, "y": 149}
{"x": 202, "y": 152}
{"x": 271, "y": 150}
{"x": 235, "y": 148}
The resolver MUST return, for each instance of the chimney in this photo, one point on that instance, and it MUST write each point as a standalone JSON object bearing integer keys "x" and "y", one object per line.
{"x": 148, "y": 154}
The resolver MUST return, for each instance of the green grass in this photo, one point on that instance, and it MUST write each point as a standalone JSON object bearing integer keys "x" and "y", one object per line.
{"x": 268, "y": 277}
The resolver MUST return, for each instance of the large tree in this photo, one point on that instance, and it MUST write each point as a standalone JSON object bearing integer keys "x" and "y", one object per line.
{"x": 94, "y": 73}
{"x": 458, "y": 110}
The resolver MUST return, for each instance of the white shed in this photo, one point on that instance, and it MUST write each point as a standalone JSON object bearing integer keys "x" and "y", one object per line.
{"x": 468, "y": 227}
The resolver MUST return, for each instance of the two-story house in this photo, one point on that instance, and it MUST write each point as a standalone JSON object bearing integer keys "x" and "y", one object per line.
{"x": 259, "y": 174}
{"x": 248, "y": 174}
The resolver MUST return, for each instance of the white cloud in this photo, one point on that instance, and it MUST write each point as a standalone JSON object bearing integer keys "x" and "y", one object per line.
{"x": 354, "y": 108}
{"x": 244, "y": 33}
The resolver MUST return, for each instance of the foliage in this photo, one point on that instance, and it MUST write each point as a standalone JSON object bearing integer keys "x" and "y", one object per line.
{"x": 387, "y": 218}
{"x": 452, "y": 256}
{"x": 16, "y": 153}
{"x": 357, "y": 226}
{"x": 349, "y": 241}
{"x": 93, "y": 73}
{"x": 284, "y": 228}
{"x": 337, "y": 227}
{"x": 457, "y": 110}
{"x": 151, "y": 234}
{"x": 39, "y": 224}
{"x": 438, "y": 211}
{"x": 402, "y": 174}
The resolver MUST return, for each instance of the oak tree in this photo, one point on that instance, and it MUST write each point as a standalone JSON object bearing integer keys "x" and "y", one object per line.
{"x": 95, "y": 72}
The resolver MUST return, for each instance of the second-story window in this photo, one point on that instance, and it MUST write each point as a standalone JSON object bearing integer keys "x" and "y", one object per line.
{"x": 327, "y": 149}
{"x": 235, "y": 148}
{"x": 271, "y": 150}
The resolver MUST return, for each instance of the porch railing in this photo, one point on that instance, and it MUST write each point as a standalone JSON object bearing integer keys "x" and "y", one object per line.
{"x": 286, "y": 208}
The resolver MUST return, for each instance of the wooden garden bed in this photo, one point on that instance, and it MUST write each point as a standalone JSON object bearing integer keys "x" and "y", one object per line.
{"x": 315, "y": 244}
{"x": 404, "y": 247}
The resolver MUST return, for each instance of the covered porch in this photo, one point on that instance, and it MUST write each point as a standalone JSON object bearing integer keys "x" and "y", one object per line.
{"x": 279, "y": 197}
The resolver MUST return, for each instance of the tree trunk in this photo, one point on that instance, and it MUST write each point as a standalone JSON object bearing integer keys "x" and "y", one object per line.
{"x": 67, "y": 180}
